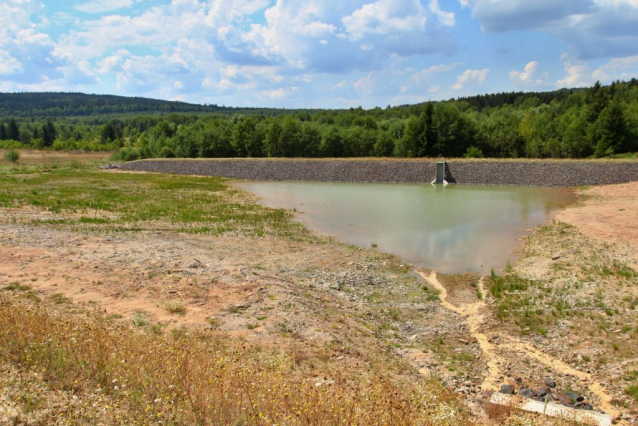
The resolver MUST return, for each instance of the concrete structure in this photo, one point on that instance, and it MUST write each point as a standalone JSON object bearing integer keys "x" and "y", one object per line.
{"x": 439, "y": 177}
{"x": 551, "y": 409}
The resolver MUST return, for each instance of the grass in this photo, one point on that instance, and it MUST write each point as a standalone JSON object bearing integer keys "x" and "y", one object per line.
{"x": 175, "y": 307}
{"x": 129, "y": 376}
{"x": 140, "y": 319}
{"x": 84, "y": 198}
{"x": 30, "y": 158}
{"x": 17, "y": 286}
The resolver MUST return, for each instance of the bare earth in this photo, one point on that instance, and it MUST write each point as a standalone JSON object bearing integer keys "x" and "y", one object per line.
{"x": 609, "y": 213}
{"x": 349, "y": 306}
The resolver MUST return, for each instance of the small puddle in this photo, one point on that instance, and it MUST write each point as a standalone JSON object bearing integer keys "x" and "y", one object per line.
{"x": 452, "y": 229}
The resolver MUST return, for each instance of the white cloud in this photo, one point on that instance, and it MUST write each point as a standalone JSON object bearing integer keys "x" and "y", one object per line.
{"x": 365, "y": 84}
{"x": 339, "y": 85}
{"x": 508, "y": 15}
{"x": 385, "y": 17}
{"x": 8, "y": 64}
{"x": 446, "y": 18}
{"x": 28, "y": 57}
{"x": 617, "y": 69}
{"x": 101, "y": 6}
{"x": 280, "y": 93}
{"x": 529, "y": 77}
{"x": 577, "y": 73}
{"x": 591, "y": 28}
{"x": 470, "y": 76}
{"x": 225, "y": 12}
{"x": 427, "y": 73}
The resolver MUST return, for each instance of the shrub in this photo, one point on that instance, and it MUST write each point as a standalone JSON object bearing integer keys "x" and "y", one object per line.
{"x": 126, "y": 154}
{"x": 167, "y": 152}
{"x": 473, "y": 152}
{"x": 12, "y": 155}
{"x": 175, "y": 307}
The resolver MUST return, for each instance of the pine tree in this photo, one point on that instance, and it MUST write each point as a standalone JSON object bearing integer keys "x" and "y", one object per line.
{"x": 3, "y": 132}
{"x": 49, "y": 133}
{"x": 596, "y": 101}
{"x": 611, "y": 131}
{"x": 272, "y": 140}
{"x": 13, "y": 132}
{"x": 428, "y": 139}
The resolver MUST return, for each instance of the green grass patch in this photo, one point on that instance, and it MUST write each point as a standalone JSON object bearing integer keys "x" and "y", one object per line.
{"x": 133, "y": 202}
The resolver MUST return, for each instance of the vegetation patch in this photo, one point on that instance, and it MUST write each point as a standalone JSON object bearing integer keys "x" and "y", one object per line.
{"x": 126, "y": 202}
{"x": 128, "y": 377}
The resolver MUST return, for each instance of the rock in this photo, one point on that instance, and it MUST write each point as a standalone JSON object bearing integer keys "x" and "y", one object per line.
{"x": 195, "y": 264}
{"x": 544, "y": 391}
{"x": 574, "y": 397}
{"x": 583, "y": 406}
{"x": 562, "y": 399}
{"x": 550, "y": 382}
{"x": 526, "y": 392}
{"x": 507, "y": 389}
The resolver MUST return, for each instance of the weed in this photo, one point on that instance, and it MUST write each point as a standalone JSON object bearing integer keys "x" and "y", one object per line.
{"x": 175, "y": 307}
{"x": 17, "y": 286}
{"x": 395, "y": 314}
{"x": 12, "y": 156}
{"x": 430, "y": 295}
{"x": 632, "y": 391}
{"x": 140, "y": 319}
{"x": 213, "y": 322}
{"x": 60, "y": 299}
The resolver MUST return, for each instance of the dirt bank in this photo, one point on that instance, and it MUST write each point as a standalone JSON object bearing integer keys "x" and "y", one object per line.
{"x": 608, "y": 213}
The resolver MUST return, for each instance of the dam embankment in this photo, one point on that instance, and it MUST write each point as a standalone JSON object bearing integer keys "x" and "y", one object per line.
{"x": 552, "y": 173}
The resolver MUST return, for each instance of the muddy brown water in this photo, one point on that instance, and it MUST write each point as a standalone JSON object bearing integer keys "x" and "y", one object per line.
{"x": 452, "y": 229}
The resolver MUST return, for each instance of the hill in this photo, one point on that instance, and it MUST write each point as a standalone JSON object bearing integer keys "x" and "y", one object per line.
{"x": 63, "y": 104}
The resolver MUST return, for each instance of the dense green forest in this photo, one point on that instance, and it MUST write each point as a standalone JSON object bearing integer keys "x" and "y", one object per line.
{"x": 600, "y": 121}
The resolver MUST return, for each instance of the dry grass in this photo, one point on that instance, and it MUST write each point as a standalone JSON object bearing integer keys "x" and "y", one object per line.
{"x": 31, "y": 158}
{"x": 175, "y": 307}
{"x": 119, "y": 375}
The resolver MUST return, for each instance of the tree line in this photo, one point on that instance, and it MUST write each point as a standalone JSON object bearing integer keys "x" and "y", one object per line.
{"x": 600, "y": 121}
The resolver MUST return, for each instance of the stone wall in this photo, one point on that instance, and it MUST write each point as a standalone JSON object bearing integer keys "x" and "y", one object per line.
{"x": 522, "y": 173}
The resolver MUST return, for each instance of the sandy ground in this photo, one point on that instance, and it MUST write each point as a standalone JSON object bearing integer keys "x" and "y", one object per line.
{"x": 609, "y": 213}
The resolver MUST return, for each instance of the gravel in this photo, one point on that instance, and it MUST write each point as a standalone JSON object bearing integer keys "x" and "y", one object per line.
{"x": 518, "y": 173}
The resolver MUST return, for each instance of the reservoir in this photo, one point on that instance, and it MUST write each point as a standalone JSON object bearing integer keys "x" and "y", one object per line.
{"x": 451, "y": 229}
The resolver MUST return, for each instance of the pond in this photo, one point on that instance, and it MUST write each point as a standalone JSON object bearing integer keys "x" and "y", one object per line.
{"x": 451, "y": 229}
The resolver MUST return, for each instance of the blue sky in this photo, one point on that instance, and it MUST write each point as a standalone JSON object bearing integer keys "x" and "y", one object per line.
{"x": 314, "y": 53}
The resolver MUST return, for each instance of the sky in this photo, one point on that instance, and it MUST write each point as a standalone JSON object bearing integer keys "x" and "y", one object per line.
{"x": 314, "y": 53}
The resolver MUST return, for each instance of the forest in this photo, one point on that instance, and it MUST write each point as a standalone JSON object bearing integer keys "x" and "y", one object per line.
{"x": 600, "y": 121}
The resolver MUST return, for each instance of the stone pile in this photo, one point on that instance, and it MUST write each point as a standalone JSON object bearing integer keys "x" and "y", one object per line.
{"x": 520, "y": 173}
{"x": 548, "y": 393}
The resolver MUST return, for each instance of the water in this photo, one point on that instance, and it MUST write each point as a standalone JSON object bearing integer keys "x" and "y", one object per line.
{"x": 452, "y": 229}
